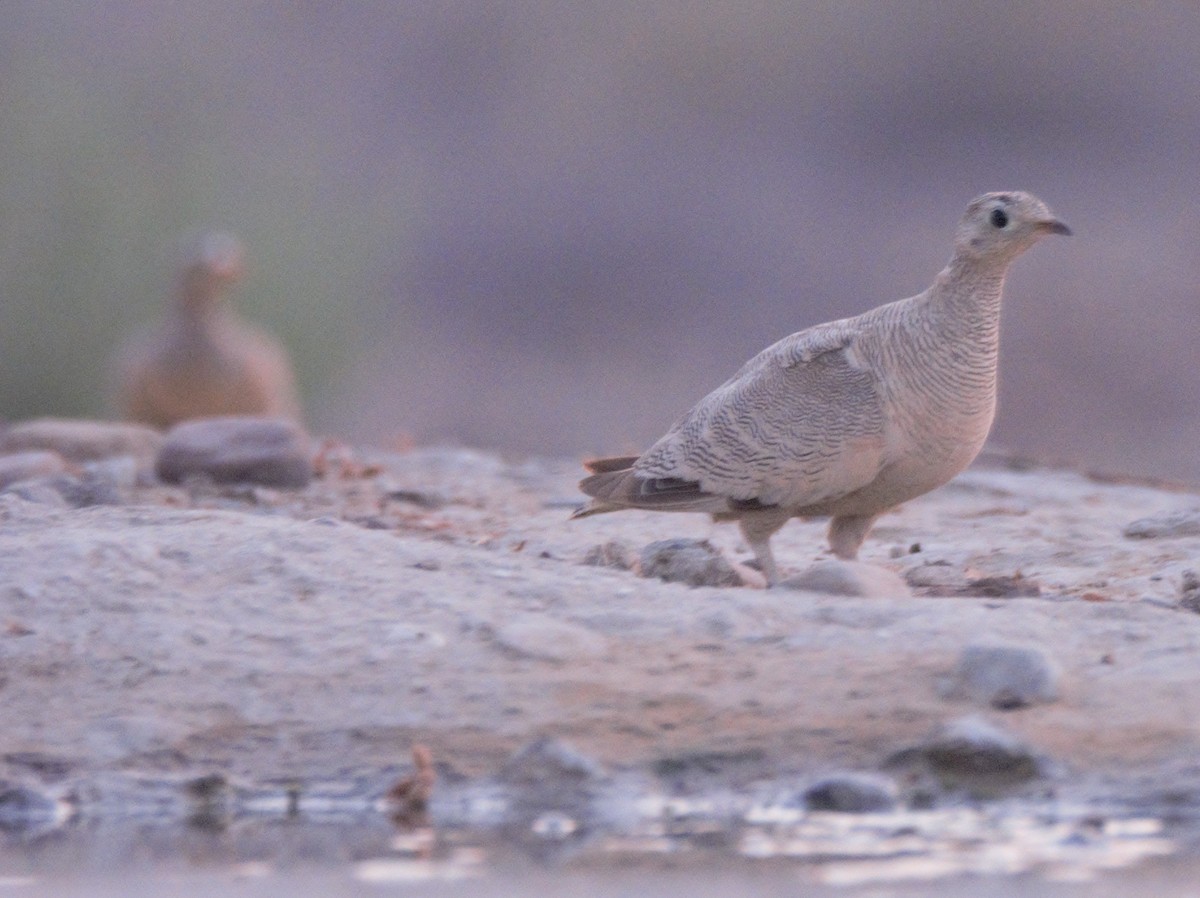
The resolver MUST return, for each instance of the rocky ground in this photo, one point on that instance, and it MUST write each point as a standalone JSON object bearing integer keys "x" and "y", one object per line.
{"x": 1039, "y": 636}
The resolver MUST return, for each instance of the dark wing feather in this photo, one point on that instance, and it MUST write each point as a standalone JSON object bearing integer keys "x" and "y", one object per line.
{"x": 623, "y": 488}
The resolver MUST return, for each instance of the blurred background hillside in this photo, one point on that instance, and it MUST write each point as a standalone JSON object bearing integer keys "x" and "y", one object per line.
{"x": 551, "y": 227}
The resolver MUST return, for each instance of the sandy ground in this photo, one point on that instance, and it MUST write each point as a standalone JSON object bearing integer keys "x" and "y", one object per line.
{"x": 440, "y": 596}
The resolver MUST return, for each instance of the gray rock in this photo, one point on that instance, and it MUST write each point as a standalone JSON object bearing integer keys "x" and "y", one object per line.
{"x": 210, "y": 796}
{"x": 1003, "y": 676}
{"x": 82, "y": 440}
{"x": 24, "y": 809}
{"x": 1003, "y": 586}
{"x": 85, "y": 491}
{"x": 937, "y": 578}
{"x": 549, "y": 779}
{"x": 691, "y": 561}
{"x": 614, "y": 554}
{"x": 420, "y": 498}
{"x": 41, "y": 492}
{"x": 1189, "y": 592}
{"x": 850, "y": 578}
{"x": 104, "y": 482}
{"x": 852, "y": 792}
{"x": 551, "y": 775}
{"x": 29, "y": 465}
{"x": 940, "y": 579}
{"x": 548, "y": 761}
{"x": 266, "y": 451}
{"x": 1169, "y": 524}
{"x": 121, "y": 472}
{"x": 544, "y": 639}
{"x": 971, "y": 750}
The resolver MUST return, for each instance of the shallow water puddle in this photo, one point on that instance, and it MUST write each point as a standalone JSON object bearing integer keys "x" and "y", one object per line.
{"x": 860, "y": 848}
{"x": 264, "y": 833}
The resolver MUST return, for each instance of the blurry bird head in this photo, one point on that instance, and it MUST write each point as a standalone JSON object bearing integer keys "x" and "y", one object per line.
{"x": 211, "y": 264}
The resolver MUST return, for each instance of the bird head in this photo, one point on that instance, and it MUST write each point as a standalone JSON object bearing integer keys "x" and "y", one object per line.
{"x": 1003, "y": 224}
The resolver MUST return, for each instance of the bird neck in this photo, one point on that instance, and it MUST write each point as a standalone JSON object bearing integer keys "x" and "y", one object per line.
{"x": 200, "y": 321}
{"x": 969, "y": 289}
{"x": 200, "y": 304}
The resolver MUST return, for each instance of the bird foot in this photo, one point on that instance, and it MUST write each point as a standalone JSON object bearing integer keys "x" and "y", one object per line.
{"x": 750, "y": 575}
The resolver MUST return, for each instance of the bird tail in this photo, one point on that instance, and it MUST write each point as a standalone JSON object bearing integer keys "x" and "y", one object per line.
{"x": 601, "y": 483}
{"x": 613, "y": 485}
{"x": 607, "y": 465}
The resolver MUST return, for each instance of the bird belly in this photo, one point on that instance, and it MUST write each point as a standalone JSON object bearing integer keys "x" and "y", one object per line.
{"x": 179, "y": 393}
{"x": 911, "y": 474}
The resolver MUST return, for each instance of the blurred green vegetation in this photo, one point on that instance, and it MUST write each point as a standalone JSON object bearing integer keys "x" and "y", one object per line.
{"x": 116, "y": 148}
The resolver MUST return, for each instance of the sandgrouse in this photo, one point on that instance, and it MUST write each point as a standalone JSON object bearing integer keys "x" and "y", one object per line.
{"x": 846, "y": 419}
{"x": 203, "y": 360}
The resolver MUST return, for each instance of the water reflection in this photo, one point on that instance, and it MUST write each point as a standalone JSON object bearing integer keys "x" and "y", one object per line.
{"x": 338, "y": 829}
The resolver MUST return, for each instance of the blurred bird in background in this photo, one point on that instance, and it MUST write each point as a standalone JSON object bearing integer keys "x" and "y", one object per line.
{"x": 203, "y": 359}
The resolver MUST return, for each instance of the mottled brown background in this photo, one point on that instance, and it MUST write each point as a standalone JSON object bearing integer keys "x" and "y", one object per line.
{"x": 552, "y": 226}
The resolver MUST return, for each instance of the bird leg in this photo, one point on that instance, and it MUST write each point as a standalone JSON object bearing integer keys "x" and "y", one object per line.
{"x": 758, "y": 528}
{"x": 846, "y": 534}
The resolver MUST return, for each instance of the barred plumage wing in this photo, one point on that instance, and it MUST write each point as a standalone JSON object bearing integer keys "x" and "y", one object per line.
{"x": 801, "y": 423}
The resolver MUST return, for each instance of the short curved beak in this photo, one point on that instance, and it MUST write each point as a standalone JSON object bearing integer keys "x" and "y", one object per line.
{"x": 1054, "y": 226}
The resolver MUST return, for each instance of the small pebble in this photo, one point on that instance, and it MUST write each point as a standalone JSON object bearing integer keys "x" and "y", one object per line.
{"x": 25, "y": 808}
{"x": 41, "y": 492}
{"x": 937, "y": 578}
{"x": 1189, "y": 592}
{"x": 1003, "y": 587}
{"x": 86, "y": 490}
{"x": 265, "y": 451}
{"x": 122, "y": 472}
{"x": 82, "y": 440}
{"x": 614, "y": 554}
{"x": 691, "y": 561}
{"x": 415, "y": 635}
{"x": 207, "y": 787}
{"x": 850, "y": 578}
{"x": 549, "y": 759}
{"x": 1003, "y": 676}
{"x": 30, "y": 465}
{"x": 1169, "y": 524}
{"x": 971, "y": 748}
{"x": 419, "y": 498}
{"x": 851, "y": 792}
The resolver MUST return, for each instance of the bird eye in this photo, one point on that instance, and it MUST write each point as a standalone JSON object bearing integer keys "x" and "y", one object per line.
{"x": 999, "y": 218}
